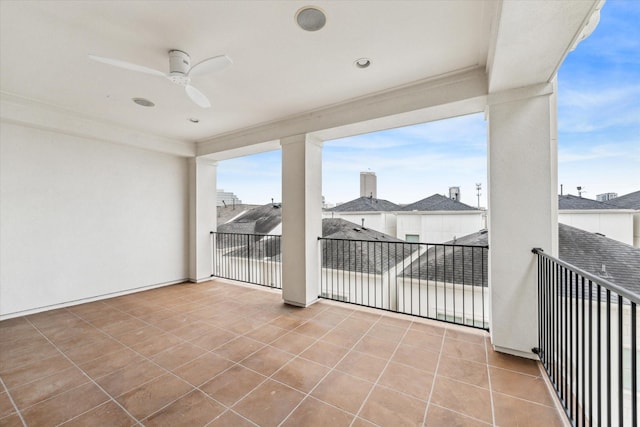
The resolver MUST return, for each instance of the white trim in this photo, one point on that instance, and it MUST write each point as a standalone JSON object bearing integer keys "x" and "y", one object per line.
{"x": 89, "y": 299}
{"x": 38, "y": 115}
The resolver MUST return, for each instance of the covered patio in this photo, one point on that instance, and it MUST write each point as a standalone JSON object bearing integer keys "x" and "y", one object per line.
{"x": 223, "y": 354}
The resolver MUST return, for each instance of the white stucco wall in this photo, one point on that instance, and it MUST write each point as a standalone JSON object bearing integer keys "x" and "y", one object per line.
{"x": 614, "y": 224}
{"x": 439, "y": 227}
{"x": 81, "y": 219}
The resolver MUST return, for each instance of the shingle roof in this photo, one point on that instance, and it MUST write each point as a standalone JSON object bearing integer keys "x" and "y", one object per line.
{"x": 379, "y": 253}
{"x": 366, "y": 204}
{"x": 572, "y": 202}
{"x": 628, "y": 201}
{"x": 589, "y": 252}
{"x": 465, "y": 265}
{"x": 260, "y": 220}
{"x": 438, "y": 202}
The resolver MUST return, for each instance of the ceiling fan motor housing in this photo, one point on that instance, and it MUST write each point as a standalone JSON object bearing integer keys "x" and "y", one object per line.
{"x": 179, "y": 65}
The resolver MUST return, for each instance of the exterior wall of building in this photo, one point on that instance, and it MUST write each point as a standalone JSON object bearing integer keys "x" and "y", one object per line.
{"x": 636, "y": 229}
{"x": 384, "y": 222}
{"x": 439, "y": 227}
{"x": 614, "y": 224}
{"x": 85, "y": 219}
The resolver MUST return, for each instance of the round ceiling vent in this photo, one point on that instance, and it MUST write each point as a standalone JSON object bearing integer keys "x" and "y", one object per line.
{"x": 311, "y": 18}
{"x": 362, "y": 63}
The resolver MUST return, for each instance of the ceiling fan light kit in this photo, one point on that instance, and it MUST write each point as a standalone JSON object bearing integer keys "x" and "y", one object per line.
{"x": 180, "y": 71}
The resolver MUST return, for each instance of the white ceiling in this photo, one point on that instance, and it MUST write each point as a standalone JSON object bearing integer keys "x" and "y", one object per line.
{"x": 278, "y": 69}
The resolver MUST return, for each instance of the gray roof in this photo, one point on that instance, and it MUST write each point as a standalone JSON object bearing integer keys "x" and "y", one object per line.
{"x": 628, "y": 201}
{"x": 366, "y": 204}
{"x": 227, "y": 213}
{"x": 358, "y": 249}
{"x": 438, "y": 202}
{"x": 466, "y": 263}
{"x": 572, "y": 202}
{"x": 590, "y": 251}
{"x": 585, "y": 250}
{"x": 260, "y": 220}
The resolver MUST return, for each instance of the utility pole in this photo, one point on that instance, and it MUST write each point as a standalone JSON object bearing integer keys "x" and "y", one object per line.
{"x": 478, "y": 193}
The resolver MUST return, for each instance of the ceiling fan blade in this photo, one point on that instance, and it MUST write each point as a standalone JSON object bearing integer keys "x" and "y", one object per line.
{"x": 210, "y": 65}
{"x": 197, "y": 96}
{"x": 127, "y": 65}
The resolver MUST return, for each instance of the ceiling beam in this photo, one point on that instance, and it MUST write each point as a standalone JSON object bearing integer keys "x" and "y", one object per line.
{"x": 452, "y": 89}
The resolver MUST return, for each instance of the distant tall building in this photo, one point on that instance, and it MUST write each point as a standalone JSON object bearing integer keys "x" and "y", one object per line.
{"x": 454, "y": 193}
{"x": 606, "y": 196}
{"x": 368, "y": 185}
{"x": 227, "y": 197}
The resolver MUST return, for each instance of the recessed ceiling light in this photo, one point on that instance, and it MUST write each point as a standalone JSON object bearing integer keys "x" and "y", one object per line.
{"x": 362, "y": 63}
{"x": 194, "y": 120}
{"x": 311, "y": 18}
{"x": 143, "y": 102}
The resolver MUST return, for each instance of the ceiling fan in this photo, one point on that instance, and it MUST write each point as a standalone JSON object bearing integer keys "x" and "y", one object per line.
{"x": 180, "y": 71}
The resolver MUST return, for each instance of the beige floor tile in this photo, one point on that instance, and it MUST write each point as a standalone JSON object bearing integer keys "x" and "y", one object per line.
{"x": 267, "y": 360}
{"x": 269, "y": 404}
{"x": 439, "y": 417}
{"x": 511, "y": 411}
{"x": 65, "y": 406}
{"x": 460, "y": 397}
{"x": 35, "y": 370}
{"x": 150, "y": 397}
{"x": 313, "y": 413}
{"x": 47, "y": 387}
{"x": 293, "y": 342}
{"x": 129, "y": 377}
{"x": 520, "y": 385}
{"x": 202, "y": 369}
{"x": 177, "y": 356}
{"x": 362, "y": 365}
{"x": 324, "y": 353}
{"x": 232, "y": 385}
{"x": 406, "y": 379}
{"x": 416, "y": 357}
{"x": 238, "y": 349}
{"x": 194, "y": 409}
{"x": 230, "y": 419}
{"x": 6, "y": 407}
{"x": 464, "y": 370}
{"x": 301, "y": 374}
{"x": 386, "y": 407}
{"x": 513, "y": 363}
{"x": 107, "y": 414}
{"x": 343, "y": 390}
{"x": 464, "y": 350}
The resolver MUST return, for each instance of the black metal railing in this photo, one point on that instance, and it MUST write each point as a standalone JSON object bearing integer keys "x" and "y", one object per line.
{"x": 588, "y": 343}
{"x": 438, "y": 281}
{"x": 251, "y": 258}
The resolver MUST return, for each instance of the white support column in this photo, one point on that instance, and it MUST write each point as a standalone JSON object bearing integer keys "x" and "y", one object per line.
{"x": 523, "y": 202}
{"x": 202, "y": 216}
{"x": 301, "y": 218}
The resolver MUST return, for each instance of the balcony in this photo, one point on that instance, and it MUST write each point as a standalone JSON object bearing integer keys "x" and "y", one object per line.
{"x": 220, "y": 353}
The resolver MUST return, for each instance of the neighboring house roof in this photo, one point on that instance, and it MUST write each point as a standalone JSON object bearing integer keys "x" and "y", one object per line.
{"x": 379, "y": 253}
{"x": 438, "y": 202}
{"x": 366, "y": 204}
{"x": 585, "y": 250}
{"x": 259, "y": 220}
{"x": 590, "y": 251}
{"x": 229, "y": 212}
{"x": 257, "y": 247}
{"x": 628, "y": 201}
{"x": 571, "y": 202}
{"x": 467, "y": 265}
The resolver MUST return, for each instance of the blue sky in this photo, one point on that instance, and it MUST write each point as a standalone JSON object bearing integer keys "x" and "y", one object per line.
{"x": 598, "y": 135}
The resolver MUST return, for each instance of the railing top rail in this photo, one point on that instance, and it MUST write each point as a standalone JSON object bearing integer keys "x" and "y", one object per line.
{"x": 244, "y": 234}
{"x": 407, "y": 243}
{"x": 623, "y": 292}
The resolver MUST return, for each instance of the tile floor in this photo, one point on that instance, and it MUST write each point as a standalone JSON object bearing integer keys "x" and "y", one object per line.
{"x": 222, "y": 354}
